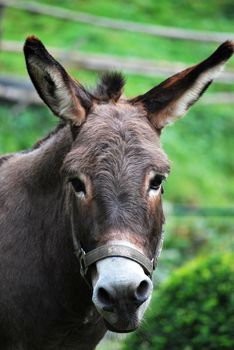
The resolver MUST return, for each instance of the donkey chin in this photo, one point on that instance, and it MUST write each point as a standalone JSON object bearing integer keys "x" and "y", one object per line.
{"x": 121, "y": 293}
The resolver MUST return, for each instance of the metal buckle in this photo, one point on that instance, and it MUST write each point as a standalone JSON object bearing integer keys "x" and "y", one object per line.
{"x": 83, "y": 266}
{"x": 154, "y": 262}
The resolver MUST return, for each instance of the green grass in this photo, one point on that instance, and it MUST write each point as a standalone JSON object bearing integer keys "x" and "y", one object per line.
{"x": 199, "y": 145}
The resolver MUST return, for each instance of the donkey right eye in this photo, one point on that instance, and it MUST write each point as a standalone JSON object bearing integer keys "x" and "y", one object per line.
{"x": 78, "y": 185}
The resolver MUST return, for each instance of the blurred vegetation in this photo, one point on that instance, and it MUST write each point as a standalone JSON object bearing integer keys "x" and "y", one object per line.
{"x": 199, "y": 15}
{"x": 188, "y": 237}
{"x": 192, "y": 310}
{"x": 200, "y": 145}
{"x": 21, "y": 128}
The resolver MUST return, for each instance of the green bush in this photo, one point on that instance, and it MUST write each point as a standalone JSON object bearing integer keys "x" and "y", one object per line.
{"x": 194, "y": 309}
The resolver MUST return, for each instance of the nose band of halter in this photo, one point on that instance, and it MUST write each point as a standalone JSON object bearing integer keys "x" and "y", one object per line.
{"x": 112, "y": 250}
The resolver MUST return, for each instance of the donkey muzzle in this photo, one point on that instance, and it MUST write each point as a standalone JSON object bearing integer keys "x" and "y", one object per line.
{"x": 121, "y": 293}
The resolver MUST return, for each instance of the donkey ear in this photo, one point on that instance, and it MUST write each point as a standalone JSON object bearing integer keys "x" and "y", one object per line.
{"x": 65, "y": 97}
{"x": 172, "y": 98}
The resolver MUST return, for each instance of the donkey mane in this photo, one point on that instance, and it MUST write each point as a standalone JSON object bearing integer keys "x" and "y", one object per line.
{"x": 37, "y": 145}
{"x": 4, "y": 158}
{"x": 40, "y": 142}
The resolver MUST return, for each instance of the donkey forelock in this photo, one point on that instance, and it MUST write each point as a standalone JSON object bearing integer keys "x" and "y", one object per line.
{"x": 109, "y": 87}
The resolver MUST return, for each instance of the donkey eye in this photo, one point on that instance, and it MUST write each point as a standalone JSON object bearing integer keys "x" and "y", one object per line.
{"x": 156, "y": 182}
{"x": 78, "y": 185}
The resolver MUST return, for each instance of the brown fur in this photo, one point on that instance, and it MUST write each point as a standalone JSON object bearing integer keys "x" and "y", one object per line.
{"x": 112, "y": 144}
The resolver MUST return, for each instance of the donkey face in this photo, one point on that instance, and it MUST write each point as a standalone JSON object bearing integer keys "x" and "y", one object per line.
{"x": 115, "y": 169}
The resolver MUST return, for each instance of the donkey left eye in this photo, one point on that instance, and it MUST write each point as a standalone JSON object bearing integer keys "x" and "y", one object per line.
{"x": 78, "y": 185}
{"x": 156, "y": 182}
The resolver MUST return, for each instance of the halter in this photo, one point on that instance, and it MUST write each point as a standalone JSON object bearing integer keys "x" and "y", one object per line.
{"x": 86, "y": 259}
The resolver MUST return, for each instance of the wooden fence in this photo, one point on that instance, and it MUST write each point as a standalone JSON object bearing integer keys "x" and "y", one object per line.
{"x": 98, "y": 62}
{"x": 100, "y": 21}
{"x": 23, "y": 92}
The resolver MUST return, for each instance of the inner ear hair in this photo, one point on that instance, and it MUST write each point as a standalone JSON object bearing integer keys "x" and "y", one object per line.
{"x": 171, "y": 99}
{"x": 66, "y": 97}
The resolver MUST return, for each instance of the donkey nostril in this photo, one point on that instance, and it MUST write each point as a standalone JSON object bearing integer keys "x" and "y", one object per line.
{"x": 103, "y": 295}
{"x": 143, "y": 289}
{"x": 142, "y": 292}
{"x": 105, "y": 299}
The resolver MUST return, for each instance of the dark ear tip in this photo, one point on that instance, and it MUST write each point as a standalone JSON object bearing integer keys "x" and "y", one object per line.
{"x": 32, "y": 43}
{"x": 226, "y": 49}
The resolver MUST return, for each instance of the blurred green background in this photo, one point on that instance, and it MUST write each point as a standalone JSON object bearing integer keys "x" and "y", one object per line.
{"x": 200, "y": 190}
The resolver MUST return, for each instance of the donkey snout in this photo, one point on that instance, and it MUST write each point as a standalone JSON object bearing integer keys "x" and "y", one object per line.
{"x": 112, "y": 295}
{"x": 121, "y": 290}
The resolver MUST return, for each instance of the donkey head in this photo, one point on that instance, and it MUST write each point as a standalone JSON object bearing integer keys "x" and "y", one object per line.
{"x": 115, "y": 169}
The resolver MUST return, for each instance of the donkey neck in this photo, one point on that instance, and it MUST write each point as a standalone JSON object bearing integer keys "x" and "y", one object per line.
{"x": 47, "y": 157}
{"x": 35, "y": 222}
{"x": 34, "y": 192}
{"x": 46, "y": 186}
{"x": 74, "y": 295}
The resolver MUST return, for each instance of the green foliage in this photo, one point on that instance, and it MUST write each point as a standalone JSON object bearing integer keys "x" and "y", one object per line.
{"x": 200, "y": 146}
{"x": 192, "y": 310}
{"x": 186, "y": 237}
{"x": 20, "y": 129}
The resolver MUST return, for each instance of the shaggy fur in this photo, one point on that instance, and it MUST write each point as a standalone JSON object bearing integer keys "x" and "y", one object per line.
{"x": 112, "y": 144}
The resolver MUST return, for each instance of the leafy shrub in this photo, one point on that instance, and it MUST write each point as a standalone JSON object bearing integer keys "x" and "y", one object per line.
{"x": 194, "y": 309}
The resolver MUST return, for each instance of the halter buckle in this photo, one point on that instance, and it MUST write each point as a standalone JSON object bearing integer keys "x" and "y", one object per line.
{"x": 83, "y": 265}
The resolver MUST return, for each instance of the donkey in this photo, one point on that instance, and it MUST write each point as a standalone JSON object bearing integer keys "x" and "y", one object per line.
{"x": 81, "y": 212}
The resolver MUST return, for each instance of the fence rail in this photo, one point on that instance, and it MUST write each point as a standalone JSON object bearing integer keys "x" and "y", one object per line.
{"x": 21, "y": 90}
{"x": 106, "y": 62}
{"x": 155, "y": 30}
{"x": 180, "y": 210}
{"x": 18, "y": 90}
